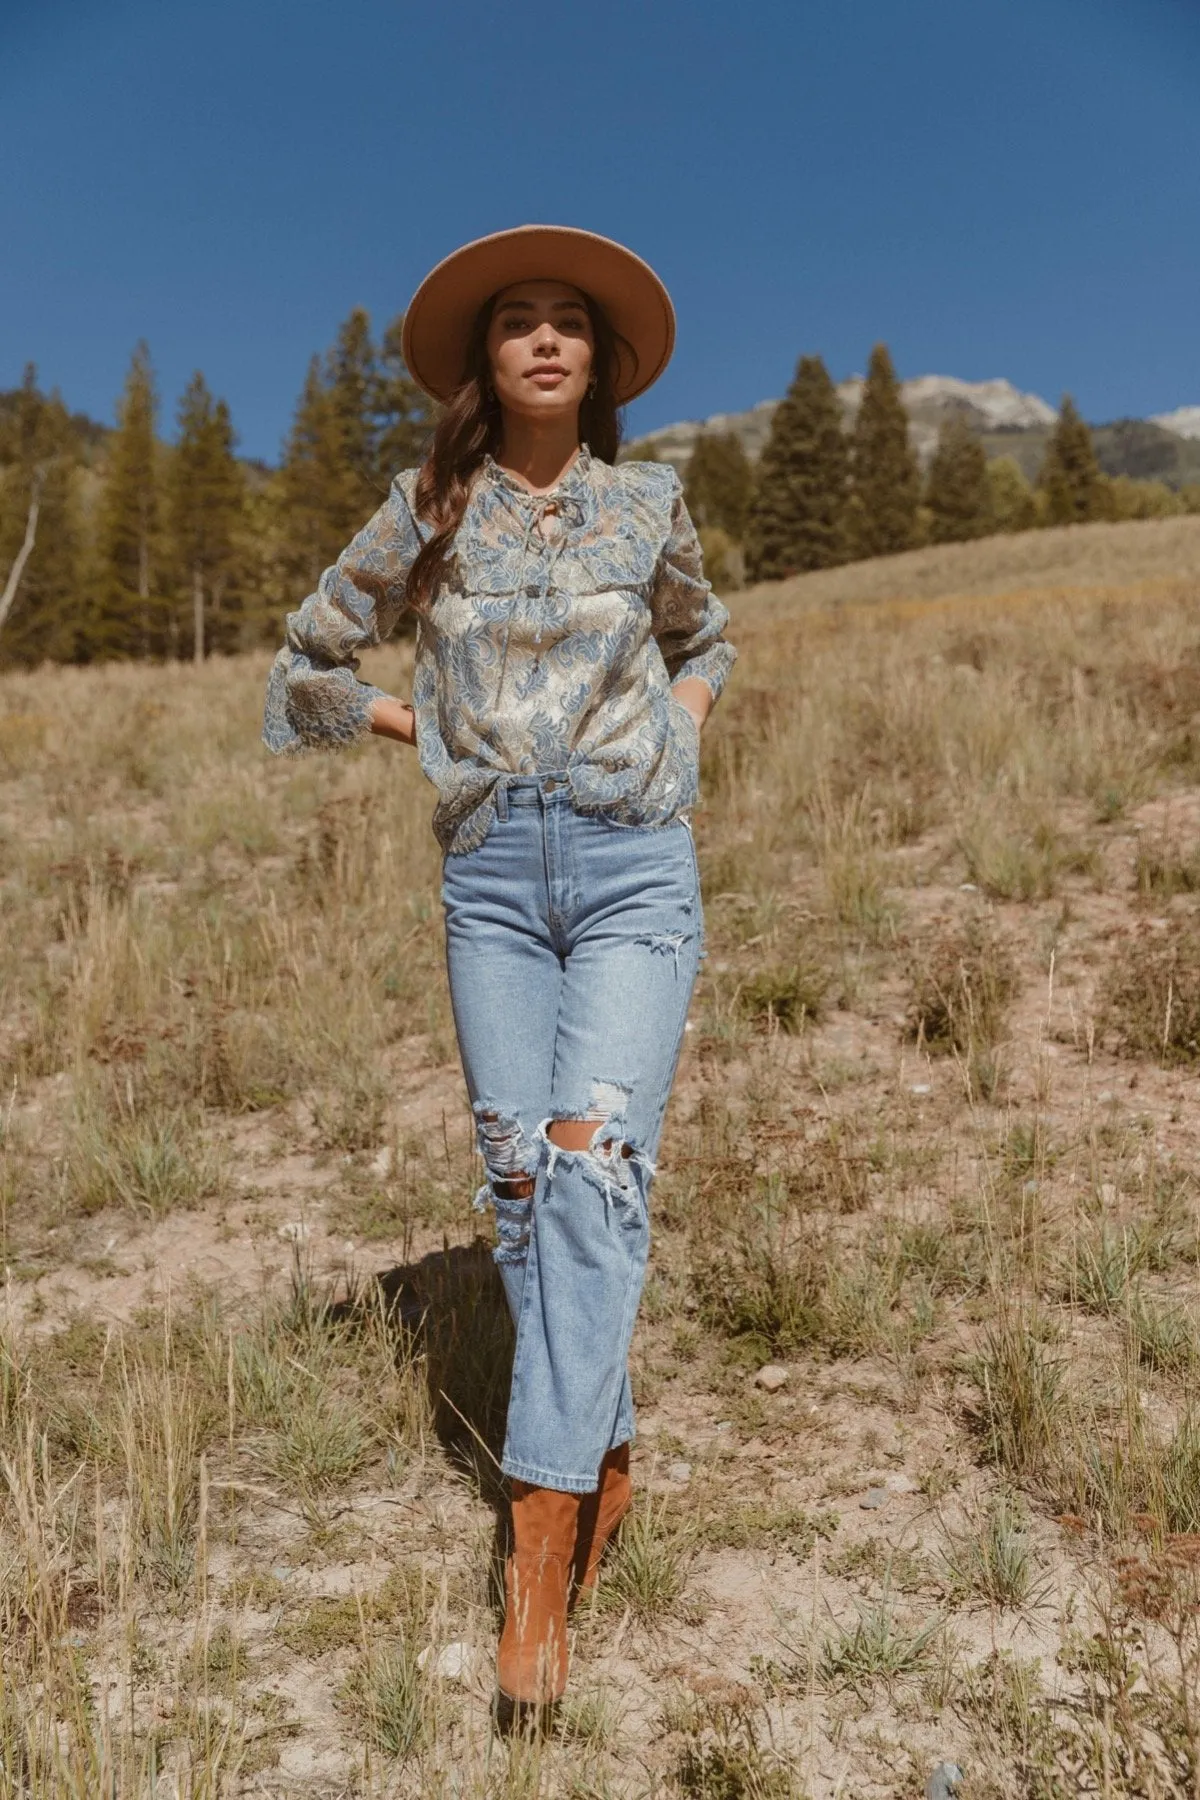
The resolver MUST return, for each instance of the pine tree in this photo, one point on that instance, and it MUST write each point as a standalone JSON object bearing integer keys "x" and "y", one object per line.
{"x": 311, "y": 488}
{"x": 206, "y": 499}
{"x": 39, "y": 456}
{"x": 131, "y": 613}
{"x": 797, "y": 514}
{"x": 360, "y": 419}
{"x": 1012, "y": 502}
{"x": 719, "y": 479}
{"x": 957, "y": 492}
{"x": 886, "y": 479}
{"x": 352, "y": 384}
{"x": 403, "y": 414}
{"x": 1070, "y": 476}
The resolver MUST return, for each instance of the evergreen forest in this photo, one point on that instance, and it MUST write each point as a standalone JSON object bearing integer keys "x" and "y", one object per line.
{"x": 156, "y": 540}
{"x": 123, "y": 544}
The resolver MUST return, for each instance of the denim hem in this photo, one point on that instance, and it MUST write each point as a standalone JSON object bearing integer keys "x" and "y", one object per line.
{"x": 550, "y": 1478}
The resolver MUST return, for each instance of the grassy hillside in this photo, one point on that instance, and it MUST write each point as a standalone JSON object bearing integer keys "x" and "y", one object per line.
{"x": 1075, "y": 557}
{"x": 934, "y": 1150}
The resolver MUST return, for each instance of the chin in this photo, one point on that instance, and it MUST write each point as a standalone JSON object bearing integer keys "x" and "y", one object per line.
{"x": 548, "y": 406}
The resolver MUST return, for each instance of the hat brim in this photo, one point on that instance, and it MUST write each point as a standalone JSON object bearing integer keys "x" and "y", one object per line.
{"x": 437, "y": 324}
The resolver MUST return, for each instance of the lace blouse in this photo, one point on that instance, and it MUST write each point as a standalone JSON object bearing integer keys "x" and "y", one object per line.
{"x": 551, "y": 644}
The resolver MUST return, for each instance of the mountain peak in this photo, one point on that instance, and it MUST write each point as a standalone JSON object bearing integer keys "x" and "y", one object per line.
{"x": 1184, "y": 421}
{"x": 928, "y": 399}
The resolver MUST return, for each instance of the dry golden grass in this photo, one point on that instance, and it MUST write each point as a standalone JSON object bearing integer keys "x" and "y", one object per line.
{"x": 935, "y": 1146}
{"x": 1067, "y": 557}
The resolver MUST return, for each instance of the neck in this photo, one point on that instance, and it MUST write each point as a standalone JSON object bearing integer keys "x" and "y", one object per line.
{"x": 538, "y": 451}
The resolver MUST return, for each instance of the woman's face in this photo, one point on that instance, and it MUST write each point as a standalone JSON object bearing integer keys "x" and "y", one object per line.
{"x": 539, "y": 346}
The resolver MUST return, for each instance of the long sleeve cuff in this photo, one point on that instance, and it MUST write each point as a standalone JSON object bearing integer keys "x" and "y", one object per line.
{"x": 711, "y": 666}
{"x": 311, "y": 708}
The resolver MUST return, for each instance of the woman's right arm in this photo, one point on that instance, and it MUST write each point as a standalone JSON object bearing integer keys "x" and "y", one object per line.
{"x": 314, "y": 698}
{"x": 394, "y": 719}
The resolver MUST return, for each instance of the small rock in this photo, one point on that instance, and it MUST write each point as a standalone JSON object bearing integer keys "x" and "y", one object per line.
{"x": 920, "y": 1087}
{"x": 967, "y": 887}
{"x": 724, "y": 1424}
{"x": 381, "y": 1165}
{"x": 771, "y": 1378}
{"x": 943, "y": 1783}
{"x": 680, "y": 1472}
{"x": 296, "y": 1231}
{"x": 901, "y": 1484}
{"x": 459, "y": 1663}
{"x": 873, "y": 1499}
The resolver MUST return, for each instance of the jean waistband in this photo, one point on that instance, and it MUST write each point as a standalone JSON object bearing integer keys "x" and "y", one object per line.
{"x": 529, "y": 790}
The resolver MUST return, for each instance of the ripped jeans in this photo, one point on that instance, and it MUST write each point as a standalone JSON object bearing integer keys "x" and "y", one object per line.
{"x": 572, "y": 946}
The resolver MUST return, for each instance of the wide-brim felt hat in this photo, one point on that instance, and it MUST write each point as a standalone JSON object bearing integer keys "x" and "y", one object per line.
{"x": 437, "y": 324}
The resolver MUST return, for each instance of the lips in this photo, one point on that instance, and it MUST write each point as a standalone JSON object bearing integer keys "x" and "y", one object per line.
{"x": 555, "y": 369}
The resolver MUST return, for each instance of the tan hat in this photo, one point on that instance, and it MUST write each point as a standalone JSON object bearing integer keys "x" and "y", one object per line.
{"x": 437, "y": 325}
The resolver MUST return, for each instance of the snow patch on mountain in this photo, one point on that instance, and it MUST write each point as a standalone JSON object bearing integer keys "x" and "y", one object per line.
{"x": 928, "y": 400}
{"x": 1003, "y": 406}
{"x": 1184, "y": 421}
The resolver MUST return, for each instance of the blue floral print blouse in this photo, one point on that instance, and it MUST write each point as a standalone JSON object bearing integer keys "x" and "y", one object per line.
{"x": 550, "y": 646}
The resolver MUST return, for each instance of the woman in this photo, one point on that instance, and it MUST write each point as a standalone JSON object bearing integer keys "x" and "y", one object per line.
{"x": 568, "y": 650}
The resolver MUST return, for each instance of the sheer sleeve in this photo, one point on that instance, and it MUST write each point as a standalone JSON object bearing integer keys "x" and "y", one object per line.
{"x": 689, "y": 620}
{"x": 314, "y": 698}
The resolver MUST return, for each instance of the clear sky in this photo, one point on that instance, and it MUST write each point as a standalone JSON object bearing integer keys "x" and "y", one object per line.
{"x": 1007, "y": 188}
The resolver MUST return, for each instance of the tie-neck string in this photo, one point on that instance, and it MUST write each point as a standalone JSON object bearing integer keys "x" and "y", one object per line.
{"x": 569, "y": 508}
{"x": 573, "y": 478}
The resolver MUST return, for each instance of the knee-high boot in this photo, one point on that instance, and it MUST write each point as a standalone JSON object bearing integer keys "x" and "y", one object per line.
{"x": 531, "y": 1663}
{"x": 600, "y": 1514}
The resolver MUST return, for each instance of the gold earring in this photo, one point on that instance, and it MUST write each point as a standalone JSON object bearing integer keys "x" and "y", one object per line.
{"x": 591, "y": 387}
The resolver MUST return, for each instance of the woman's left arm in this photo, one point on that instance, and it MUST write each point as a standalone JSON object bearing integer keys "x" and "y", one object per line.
{"x": 688, "y": 619}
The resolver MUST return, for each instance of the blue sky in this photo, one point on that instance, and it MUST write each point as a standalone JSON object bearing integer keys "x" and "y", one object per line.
{"x": 1001, "y": 189}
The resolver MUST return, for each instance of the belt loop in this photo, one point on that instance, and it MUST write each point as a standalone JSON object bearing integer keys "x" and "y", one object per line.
{"x": 502, "y": 799}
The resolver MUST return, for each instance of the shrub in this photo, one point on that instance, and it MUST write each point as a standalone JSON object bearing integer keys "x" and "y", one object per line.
{"x": 1020, "y": 1396}
{"x": 961, "y": 985}
{"x": 1150, "y": 999}
{"x": 789, "y": 993}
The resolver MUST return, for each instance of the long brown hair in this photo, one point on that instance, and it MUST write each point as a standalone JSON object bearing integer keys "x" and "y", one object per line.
{"x": 471, "y": 426}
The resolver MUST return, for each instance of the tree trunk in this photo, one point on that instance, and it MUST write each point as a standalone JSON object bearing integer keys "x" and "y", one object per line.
{"x": 26, "y": 550}
{"x": 197, "y": 616}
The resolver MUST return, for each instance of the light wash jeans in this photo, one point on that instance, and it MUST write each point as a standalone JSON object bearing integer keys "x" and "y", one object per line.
{"x": 572, "y": 945}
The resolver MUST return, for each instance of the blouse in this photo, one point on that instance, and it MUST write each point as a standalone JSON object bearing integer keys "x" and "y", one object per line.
{"x": 537, "y": 654}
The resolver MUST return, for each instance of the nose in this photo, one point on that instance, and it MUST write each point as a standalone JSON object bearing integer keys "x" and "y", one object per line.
{"x": 545, "y": 341}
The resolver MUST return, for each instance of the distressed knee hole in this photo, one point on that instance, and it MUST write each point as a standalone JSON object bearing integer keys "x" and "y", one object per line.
{"x": 511, "y": 1160}
{"x": 513, "y": 1187}
{"x": 503, "y": 1144}
{"x": 583, "y": 1134}
{"x": 596, "y": 1128}
{"x": 580, "y": 1134}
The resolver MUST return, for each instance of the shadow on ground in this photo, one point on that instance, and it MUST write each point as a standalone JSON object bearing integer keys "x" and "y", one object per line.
{"x": 448, "y": 1309}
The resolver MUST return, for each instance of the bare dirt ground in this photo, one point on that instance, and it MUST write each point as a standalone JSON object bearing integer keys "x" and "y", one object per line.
{"x": 932, "y": 1156}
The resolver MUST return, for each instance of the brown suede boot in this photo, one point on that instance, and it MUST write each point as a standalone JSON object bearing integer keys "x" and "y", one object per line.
{"x": 600, "y": 1514}
{"x": 531, "y": 1664}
